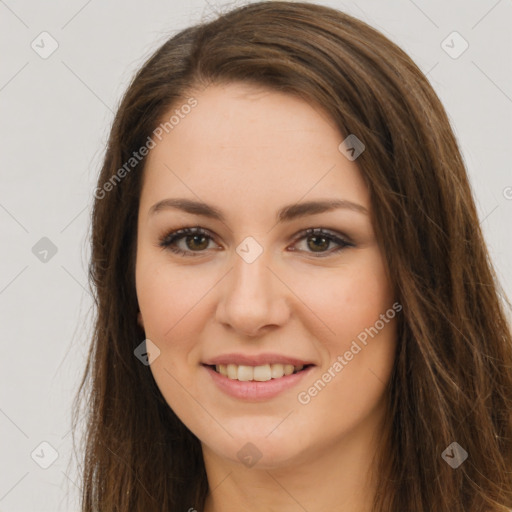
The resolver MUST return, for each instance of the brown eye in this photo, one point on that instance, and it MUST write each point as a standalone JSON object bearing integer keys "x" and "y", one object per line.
{"x": 318, "y": 241}
{"x": 196, "y": 240}
{"x": 196, "y": 243}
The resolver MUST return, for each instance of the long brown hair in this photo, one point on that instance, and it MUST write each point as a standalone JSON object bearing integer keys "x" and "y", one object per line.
{"x": 452, "y": 377}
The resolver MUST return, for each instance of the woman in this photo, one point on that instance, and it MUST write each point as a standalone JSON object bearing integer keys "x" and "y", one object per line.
{"x": 295, "y": 304}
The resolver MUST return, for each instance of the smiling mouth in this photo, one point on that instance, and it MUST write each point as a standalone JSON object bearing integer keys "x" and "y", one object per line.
{"x": 262, "y": 373}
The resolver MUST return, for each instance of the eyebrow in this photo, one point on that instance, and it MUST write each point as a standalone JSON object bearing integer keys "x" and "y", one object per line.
{"x": 285, "y": 214}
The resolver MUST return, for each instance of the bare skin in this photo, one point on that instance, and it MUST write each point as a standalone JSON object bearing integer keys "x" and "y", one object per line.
{"x": 249, "y": 152}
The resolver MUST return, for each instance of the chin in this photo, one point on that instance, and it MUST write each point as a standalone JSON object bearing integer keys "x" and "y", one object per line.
{"x": 260, "y": 452}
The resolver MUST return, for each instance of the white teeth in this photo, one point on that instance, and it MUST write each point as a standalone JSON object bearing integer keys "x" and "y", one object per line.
{"x": 260, "y": 373}
{"x": 288, "y": 369}
{"x": 232, "y": 371}
{"x": 245, "y": 373}
{"x": 276, "y": 371}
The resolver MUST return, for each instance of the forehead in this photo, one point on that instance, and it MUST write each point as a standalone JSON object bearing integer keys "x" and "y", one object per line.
{"x": 245, "y": 143}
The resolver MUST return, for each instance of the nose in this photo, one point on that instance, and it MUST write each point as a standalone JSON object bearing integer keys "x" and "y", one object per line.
{"x": 253, "y": 299}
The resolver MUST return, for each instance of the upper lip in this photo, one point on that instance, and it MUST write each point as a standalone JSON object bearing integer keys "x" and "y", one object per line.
{"x": 255, "y": 360}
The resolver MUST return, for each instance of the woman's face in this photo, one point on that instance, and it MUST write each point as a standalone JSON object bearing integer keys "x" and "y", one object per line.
{"x": 251, "y": 294}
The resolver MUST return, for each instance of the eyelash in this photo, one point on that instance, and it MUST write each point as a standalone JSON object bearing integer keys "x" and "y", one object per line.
{"x": 169, "y": 240}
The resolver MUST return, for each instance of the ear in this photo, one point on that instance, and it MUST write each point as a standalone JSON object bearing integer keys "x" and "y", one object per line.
{"x": 140, "y": 321}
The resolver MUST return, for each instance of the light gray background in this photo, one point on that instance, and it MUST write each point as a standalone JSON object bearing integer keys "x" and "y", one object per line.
{"x": 56, "y": 113}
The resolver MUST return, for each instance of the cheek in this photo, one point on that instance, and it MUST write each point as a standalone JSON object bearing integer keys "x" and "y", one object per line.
{"x": 358, "y": 363}
{"x": 168, "y": 297}
{"x": 350, "y": 299}
{"x": 174, "y": 306}
{"x": 356, "y": 305}
{"x": 170, "y": 303}
{"x": 354, "y": 382}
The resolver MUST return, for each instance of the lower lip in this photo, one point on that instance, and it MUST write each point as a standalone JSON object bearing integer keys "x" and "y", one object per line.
{"x": 254, "y": 390}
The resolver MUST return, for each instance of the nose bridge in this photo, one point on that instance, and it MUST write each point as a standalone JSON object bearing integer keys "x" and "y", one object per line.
{"x": 250, "y": 272}
{"x": 251, "y": 298}
{"x": 250, "y": 280}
